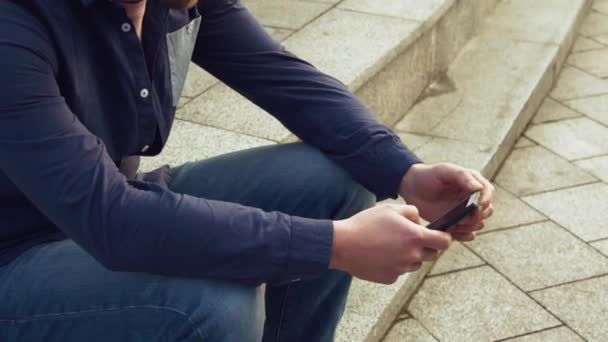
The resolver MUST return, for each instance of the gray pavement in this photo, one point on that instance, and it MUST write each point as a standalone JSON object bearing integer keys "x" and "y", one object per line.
{"x": 539, "y": 270}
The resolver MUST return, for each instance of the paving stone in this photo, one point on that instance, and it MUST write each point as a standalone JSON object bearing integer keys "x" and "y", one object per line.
{"x": 407, "y": 9}
{"x": 592, "y": 61}
{"x": 409, "y": 330}
{"x": 278, "y": 34}
{"x": 561, "y": 334}
{"x": 224, "y": 108}
{"x": 534, "y": 169}
{"x": 572, "y": 139}
{"x": 457, "y": 257}
{"x": 602, "y": 38}
{"x": 510, "y": 211}
{"x": 396, "y": 87}
{"x": 182, "y": 101}
{"x": 596, "y": 166}
{"x": 601, "y": 6}
{"x": 471, "y": 155}
{"x": 583, "y": 210}
{"x": 552, "y": 110}
{"x": 358, "y": 327}
{"x": 539, "y": 255}
{"x": 583, "y": 306}
{"x": 574, "y": 83}
{"x": 585, "y": 44}
{"x": 595, "y": 24}
{"x": 594, "y": 107}
{"x": 352, "y": 56}
{"x": 539, "y": 18}
{"x": 602, "y": 246}
{"x": 197, "y": 81}
{"x": 484, "y": 299}
{"x": 191, "y": 142}
{"x": 414, "y": 141}
{"x": 524, "y": 142}
{"x": 288, "y": 14}
{"x": 378, "y": 305}
{"x": 477, "y": 118}
{"x": 454, "y": 30}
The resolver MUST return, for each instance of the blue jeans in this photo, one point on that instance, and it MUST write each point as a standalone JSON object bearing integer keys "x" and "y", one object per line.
{"x": 57, "y": 292}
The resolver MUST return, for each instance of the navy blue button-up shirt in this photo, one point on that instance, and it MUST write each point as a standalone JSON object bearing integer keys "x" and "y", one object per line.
{"x": 81, "y": 97}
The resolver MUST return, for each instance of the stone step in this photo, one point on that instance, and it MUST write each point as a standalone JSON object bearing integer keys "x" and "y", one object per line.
{"x": 386, "y": 54}
{"x": 495, "y": 86}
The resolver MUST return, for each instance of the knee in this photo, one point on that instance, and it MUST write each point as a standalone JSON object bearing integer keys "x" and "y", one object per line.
{"x": 237, "y": 316}
{"x": 328, "y": 183}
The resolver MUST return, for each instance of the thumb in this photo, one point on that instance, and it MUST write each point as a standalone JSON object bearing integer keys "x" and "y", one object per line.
{"x": 461, "y": 177}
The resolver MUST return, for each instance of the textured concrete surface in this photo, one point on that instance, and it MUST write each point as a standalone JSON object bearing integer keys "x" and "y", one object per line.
{"x": 524, "y": 142}
{"x": 547, "y": 244}
{"x": 583, "y": 306}
{"x": 572, "y": 139}
{"x": 457, "y": 257}
{"x": 552, "y": 110}
{"x": 592, "y": 62}
{"x": 191, "y": 142}
{"x": 560, "y": 334}
{"x": 596, "y": 166}
{"x": 289, "y": 14}
{"x": 583, "y": 209}
{"x": 539, "y": 255}
{"x": 409, "y": 330}
{"x": 510, "y": 211}
{"x": 407, "y": 9}
{"x": 594, "y": 107}
{"x": 544, "y": 171}
{"x": 574, "y": 83}
{"x": 485, "y": 298}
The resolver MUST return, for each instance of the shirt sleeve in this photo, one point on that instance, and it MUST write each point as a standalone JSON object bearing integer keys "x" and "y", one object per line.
{"x": 319, "y": 109}
{"x": 67, "y": 174}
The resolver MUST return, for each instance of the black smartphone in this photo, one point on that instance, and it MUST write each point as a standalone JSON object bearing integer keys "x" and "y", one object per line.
{"x": 460, "y": 211}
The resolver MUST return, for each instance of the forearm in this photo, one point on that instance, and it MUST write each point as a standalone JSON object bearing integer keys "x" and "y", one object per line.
{"x": 316, "y": 107}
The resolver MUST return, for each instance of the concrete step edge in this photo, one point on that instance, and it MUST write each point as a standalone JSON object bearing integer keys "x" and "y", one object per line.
{"x": 370, "y": 322}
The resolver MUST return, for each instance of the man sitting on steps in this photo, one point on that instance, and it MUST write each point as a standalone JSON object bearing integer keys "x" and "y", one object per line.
{"x": 92, "y": 250}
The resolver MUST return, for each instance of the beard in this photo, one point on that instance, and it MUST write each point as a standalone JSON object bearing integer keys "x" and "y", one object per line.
{"x": 179, "y": 4}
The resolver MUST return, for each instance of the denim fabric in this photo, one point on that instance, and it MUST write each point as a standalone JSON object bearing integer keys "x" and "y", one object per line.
{"x": 57, "y": 292}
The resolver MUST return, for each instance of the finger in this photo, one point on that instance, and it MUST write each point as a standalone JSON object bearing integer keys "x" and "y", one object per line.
{"x": 467, "y": 228}
{"x": 487, "y": 212}
{"x": 410, "y": 268}
{"x": 410, "y": 212}
{"x": 488, "y": 193}
{"x": 472, "y": 219}
{"x": 435, "y": 239}
{"x": 466, "y": 180}
{"x": 429, "y": 254}
{"x": 464, "y": 237}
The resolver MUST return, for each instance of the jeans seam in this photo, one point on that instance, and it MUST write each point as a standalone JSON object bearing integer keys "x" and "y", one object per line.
{"x": 282, "y": 314}
{"x": 70, "y": 314}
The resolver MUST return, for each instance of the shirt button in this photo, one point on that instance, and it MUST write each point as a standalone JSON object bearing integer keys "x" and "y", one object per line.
{"x": 144, "y": 93}
{"x": 145, "y": 148}
{"x": 125, "y": 27}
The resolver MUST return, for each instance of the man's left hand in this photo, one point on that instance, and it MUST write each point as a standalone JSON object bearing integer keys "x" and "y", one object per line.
{"x": 435, "y": 189}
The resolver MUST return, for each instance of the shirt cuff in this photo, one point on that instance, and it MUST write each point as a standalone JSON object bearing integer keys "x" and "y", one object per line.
{"x": 393, "y": 160}
{"x": 310, "y": 248}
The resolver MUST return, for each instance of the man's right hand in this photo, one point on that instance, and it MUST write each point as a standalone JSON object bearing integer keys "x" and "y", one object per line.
{"x": 384, "y": 242}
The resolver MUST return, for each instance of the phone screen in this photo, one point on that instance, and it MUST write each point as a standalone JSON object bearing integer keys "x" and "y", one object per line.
{"x": 460, "y": 211}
